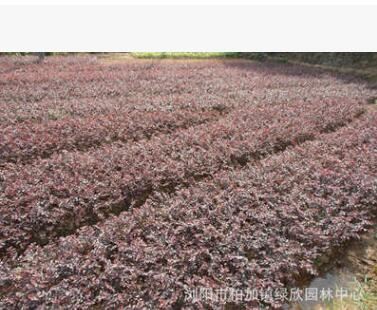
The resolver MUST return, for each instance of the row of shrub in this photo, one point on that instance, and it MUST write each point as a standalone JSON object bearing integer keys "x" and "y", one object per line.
{"x": 27, "y": 141}
{"x": 260, "y": 227}
{"x": 67, "y": 87}
{"x": 55, "y": 196}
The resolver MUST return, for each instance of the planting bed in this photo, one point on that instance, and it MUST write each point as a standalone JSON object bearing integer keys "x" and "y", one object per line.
{"x": 186, "y": 174}
{"x": 25, "y": 141}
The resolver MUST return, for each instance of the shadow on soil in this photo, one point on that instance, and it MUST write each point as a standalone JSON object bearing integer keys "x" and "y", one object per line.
{"x": 367, "y": 77}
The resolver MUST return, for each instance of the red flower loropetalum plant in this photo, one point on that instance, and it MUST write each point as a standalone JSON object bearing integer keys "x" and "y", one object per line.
{"x": 257, "y": 227}
{"x": 54, "y": 197}
{"x": 29, "y": 140}
{"x": 81, "y": 87}
{"x": 244, "y": 200}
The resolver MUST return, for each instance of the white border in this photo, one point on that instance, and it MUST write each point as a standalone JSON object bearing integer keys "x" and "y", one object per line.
{"x": 189, "y": 2}
{"x": 188, "y": 28}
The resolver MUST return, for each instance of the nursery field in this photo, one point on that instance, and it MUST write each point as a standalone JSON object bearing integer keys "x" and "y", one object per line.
{"x": 136, "y": 184}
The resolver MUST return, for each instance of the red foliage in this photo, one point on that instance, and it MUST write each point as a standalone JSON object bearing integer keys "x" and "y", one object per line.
{"x": 27, "y": 140}
{"x": 72, "y": 189}
{"x": 252, "y": 227}
{"x": 70, "y": 87}
{"x": 157, "y": 177}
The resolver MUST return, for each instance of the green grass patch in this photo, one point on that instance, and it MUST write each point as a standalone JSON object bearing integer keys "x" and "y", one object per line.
{"x": 365, "y": 293}
{"x": 180, "y": 55}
